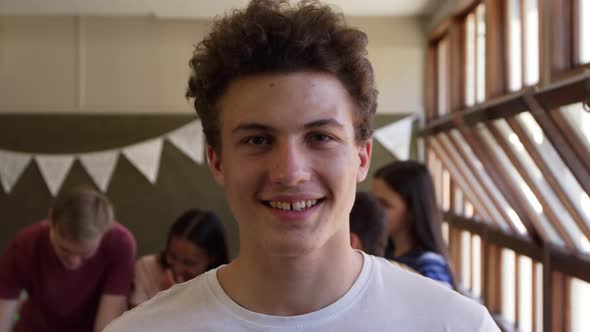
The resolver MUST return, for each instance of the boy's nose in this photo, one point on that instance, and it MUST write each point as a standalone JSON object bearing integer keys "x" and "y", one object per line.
{"x": 289, "y": 165}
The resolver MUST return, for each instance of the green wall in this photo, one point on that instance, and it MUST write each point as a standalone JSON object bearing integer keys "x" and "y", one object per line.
{"x": 145, "y": 209}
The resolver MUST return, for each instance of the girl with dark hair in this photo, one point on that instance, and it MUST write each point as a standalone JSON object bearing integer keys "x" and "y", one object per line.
{"x": 405, "y": 190}
{"x": 195, "y": 244}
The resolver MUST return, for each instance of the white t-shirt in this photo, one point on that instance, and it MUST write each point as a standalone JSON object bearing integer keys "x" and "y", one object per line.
{"x": 383, "y": 298}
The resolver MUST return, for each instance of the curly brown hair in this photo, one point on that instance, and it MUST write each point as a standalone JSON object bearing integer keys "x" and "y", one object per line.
{"x": 270, "y": 36}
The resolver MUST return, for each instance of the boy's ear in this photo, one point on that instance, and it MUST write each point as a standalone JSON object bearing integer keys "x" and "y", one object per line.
{"x": 364, "y": 155}
{"x": 215, "y": 164}
{"x": 355, "y": 241}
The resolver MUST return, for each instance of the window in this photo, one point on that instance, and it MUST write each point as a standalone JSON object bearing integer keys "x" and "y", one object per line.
{"x": 445, "y": 232}
{"x": 478, "y": 193}
{"x": 487, "y": 184}
{"x": 580, "y": 298}
{"x": 584, "y": 31}
{"x": 458, "y": 201}
{"x": 568, "y": 183}
{"x": 517, "y": 155}
{"x": 579, "y": 120}
{"x": 476, "y": 265}
{"x": 538, "y": 289}
{"x": 475, "y": 54}
{"x": 508, "y": 285}
{"x": 534, "y": 206}
{"x": 446, "y": 191}
{"x": 442, "y": 76}
{"x": 523, "y": 43}
{"x": 466, "y": 260}
{"x": 570, "y": 37}
{"x": 525, "y": 294}
{"x": 539, "y": 181}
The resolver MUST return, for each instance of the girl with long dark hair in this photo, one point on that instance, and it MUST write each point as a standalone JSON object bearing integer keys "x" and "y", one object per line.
{"x": 405, "y": 190}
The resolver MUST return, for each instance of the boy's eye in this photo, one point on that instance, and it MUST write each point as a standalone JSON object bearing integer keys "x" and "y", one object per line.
{"x": 322, "y": 137}
{"x": 319, "y": 137}
{"x": 256, "y": 140}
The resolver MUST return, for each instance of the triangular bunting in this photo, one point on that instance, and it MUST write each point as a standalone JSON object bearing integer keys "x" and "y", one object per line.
{"x": 146, "y": 157}
{"x": 54, "y": 169}
{"x": 396, "y": 137}
{"x": 100, "y": 166}
{"x": 189, "y": 140}
{"x": 12, "y": 166}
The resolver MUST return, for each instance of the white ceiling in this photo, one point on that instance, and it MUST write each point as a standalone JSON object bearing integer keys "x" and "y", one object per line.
{"x": 197, "y": 8}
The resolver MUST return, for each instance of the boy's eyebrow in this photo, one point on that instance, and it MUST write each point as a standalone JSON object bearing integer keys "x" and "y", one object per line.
{"x": 252, "y": 126}
{"x": 261, "y": 127}
{"x": 323, "y": 123}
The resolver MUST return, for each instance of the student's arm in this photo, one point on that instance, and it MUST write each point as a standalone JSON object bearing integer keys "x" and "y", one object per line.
{"x": 12, "y": 276}
{"x": 120, "y": 247}
{"x": 109, "y": 308}
{"x": 7, "y": 311}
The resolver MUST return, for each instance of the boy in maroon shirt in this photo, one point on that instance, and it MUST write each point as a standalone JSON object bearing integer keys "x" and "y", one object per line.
{"x": 76, "y": 268}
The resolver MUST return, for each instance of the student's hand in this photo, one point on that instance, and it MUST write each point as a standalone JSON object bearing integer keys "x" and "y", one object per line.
{"x": 7, "y": 311}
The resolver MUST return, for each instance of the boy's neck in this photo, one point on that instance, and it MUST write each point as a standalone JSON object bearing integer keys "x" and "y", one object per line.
{"x": 291, "y": 286}
{"x": 404, "y": 243}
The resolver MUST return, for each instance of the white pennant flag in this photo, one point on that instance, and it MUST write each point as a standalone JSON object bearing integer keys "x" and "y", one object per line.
{"x": 146, "y": 157}
{"x": 54, "y": 169}
{"x": 396, "y": 137}
{"x": 189, "y": 139}
{"x": 100, "y": 166}
{"x": 12, "y": 166}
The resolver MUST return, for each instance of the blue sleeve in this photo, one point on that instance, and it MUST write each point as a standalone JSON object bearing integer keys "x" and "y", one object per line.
{"x": 435, "y": 267}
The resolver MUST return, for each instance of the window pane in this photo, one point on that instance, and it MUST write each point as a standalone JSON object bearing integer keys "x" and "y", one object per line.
{"x": 524, "y": 189}
{"x": 579, "y": 120}
{"x": 531, "y": 49}
{"x": 567, "y": 181}
{"x": 445, "y": 232}
{"x": 539, "y": 297}
{"x": 540, "y": 182}
{"x": 488, "y": 183}
{"x": 584, "y": 34}
{"x": 476, "y": 265}
{"x": 580, "y": 297}
{"x": 470, "y": 60}
{"x": 469, "y": 211}
{"x": 525, "y": 294}
{"x": 471, "y": 182}
{"x": 514, "y": 45}
{"x": 458, "y": 201}
{"x": 508, "y": 286}
{"x": 481, "y": 52}
{"x": 460, "y": 179}
{"x": 466, "y": 259}
{"x": 442, "y": 61}
{"x": 437, "y": 174}
{"x": 446, "y": 187}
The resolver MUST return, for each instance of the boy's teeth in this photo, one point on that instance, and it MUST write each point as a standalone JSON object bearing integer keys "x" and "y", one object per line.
{"x": 296, "y": 206}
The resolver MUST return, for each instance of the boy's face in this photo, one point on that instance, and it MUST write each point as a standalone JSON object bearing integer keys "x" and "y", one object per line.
{"x": 72, "y": 253}
{"x": 289, "y": 162}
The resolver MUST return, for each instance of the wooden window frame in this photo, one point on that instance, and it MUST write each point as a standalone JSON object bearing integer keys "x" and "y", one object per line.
{"x": 562, "y": 81}
{"x": 528, "y": 179}
{"x": 523, "y": 38}
{"x": 558, "y": 269}
{"x": 564, "y": 40}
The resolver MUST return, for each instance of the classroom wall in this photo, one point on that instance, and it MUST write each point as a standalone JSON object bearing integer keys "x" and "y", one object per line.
{"x": 139, "y": 64}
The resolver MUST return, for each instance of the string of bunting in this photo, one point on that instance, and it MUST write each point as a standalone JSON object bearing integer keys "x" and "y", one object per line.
{"x": 145, "y": 156}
